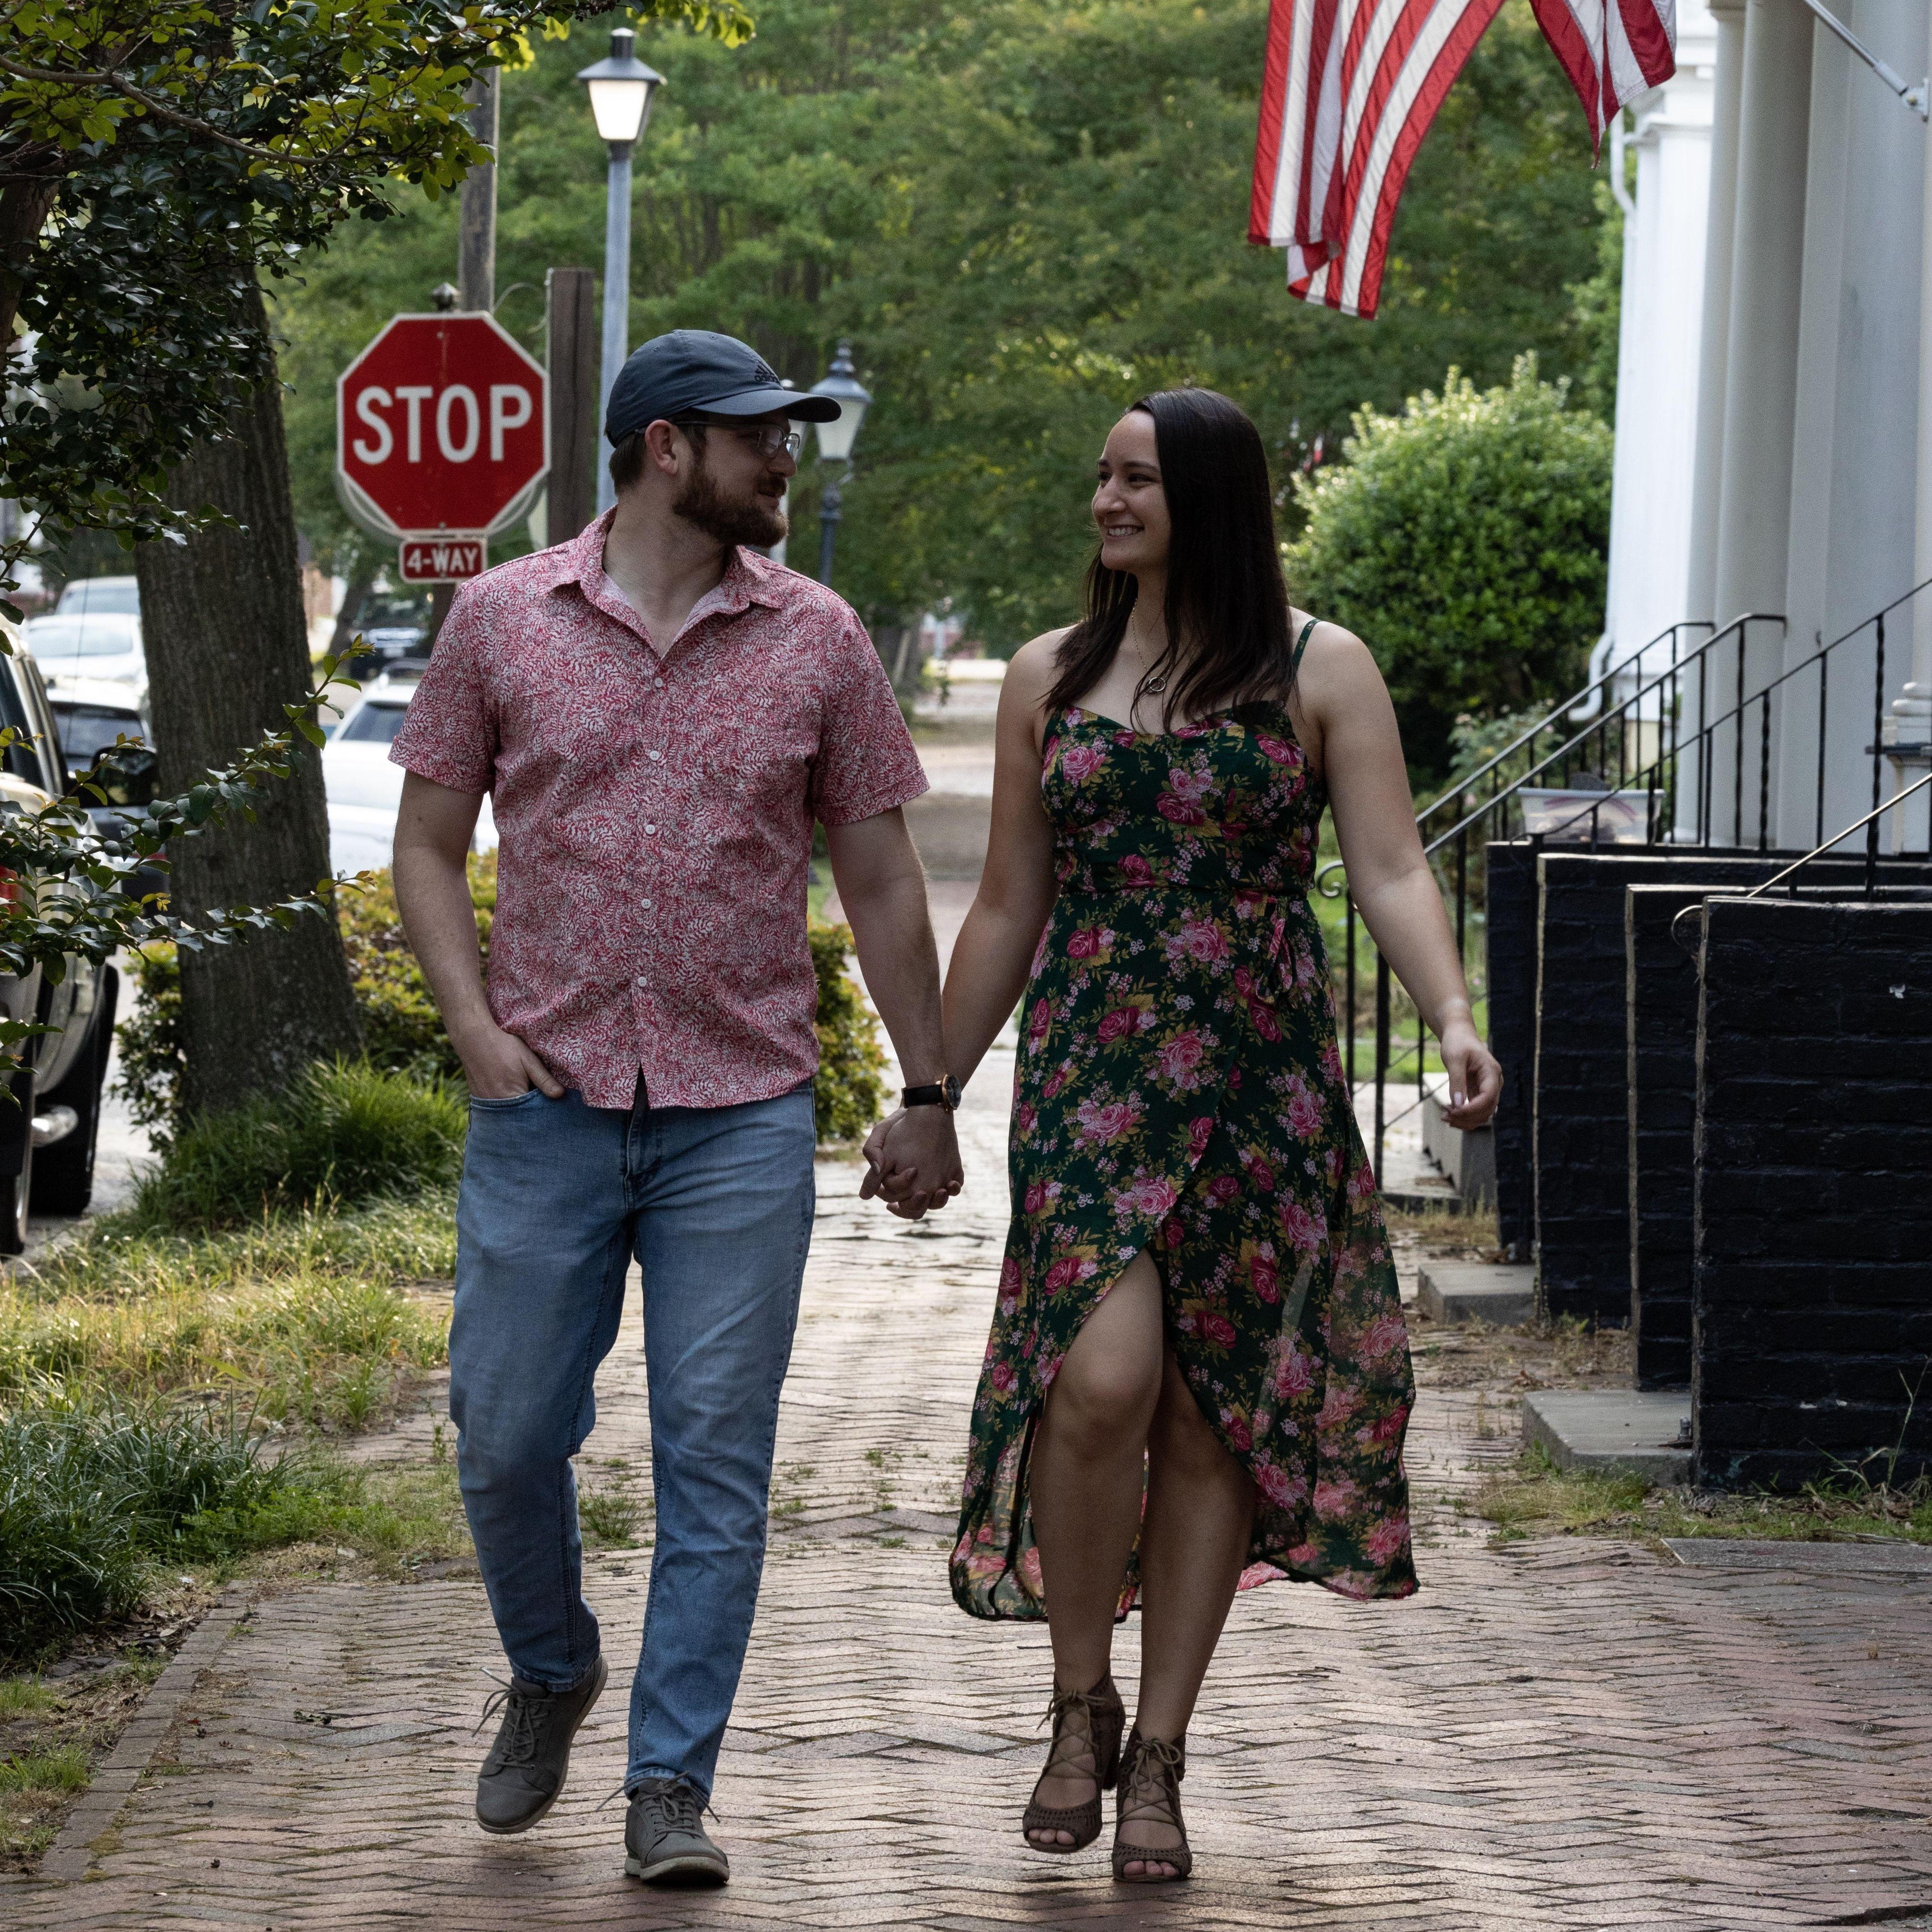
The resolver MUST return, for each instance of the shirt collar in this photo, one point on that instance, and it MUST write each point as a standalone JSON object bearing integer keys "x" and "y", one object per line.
{"x": 749, "y": 578}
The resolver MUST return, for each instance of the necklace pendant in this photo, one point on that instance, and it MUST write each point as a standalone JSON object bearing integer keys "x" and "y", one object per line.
{"x": 1153, "y": 687}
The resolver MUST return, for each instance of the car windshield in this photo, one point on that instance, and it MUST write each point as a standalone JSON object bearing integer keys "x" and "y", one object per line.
{"x": 111, "y": 636}
{"x": 120, "y": 594}
{"x": 87, "y": 729}
{"x": 373, "y": 724}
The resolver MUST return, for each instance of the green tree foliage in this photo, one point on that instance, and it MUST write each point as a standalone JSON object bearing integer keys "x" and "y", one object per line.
{"x": 155, "y": 154}
{"x": 1024, "y": 213}
{"x": 1464, "y": 541}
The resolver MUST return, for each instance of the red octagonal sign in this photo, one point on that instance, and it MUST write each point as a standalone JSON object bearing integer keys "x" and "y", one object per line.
{"x": 443, "y": 423}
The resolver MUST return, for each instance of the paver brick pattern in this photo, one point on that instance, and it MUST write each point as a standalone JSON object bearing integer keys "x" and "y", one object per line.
{"x": 1563, "y": 1733}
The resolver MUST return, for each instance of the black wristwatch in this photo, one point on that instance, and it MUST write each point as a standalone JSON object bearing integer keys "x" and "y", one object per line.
{"x": 944, "y": 1092}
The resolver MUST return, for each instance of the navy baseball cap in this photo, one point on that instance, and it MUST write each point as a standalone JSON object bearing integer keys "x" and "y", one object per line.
{"x": 694, "y": 369}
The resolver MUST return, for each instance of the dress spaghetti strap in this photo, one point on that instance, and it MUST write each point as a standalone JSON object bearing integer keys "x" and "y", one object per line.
{"x": 1300, "y": 645}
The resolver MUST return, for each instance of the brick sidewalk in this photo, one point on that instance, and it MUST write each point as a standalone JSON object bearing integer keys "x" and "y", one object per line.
{"x": 1569, "y": 1733}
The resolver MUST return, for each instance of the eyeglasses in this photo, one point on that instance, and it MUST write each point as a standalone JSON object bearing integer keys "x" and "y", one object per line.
{"x": 766, "y": 438}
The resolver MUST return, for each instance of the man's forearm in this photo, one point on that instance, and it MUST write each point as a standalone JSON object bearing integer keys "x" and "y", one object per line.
{"x": 892, "y": 931}
{"x": 439, "y": 921}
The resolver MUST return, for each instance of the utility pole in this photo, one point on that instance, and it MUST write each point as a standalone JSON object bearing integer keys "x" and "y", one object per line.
{"x": 571, "y": 494}
{"x": 475, "y": 258}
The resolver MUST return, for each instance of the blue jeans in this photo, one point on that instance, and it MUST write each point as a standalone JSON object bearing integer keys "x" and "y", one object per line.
{"x": 716, "y": 1203}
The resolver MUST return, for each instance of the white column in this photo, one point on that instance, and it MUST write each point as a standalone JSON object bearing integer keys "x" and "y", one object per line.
{"x": 1760, "y": 376}
{"x": 1713, "y": 351}
{"x": 1808, "y": 543}
{"x": 1874, "y": 456}
{"x": 1911, "y": 714}
{"x": 1658, "y": 351}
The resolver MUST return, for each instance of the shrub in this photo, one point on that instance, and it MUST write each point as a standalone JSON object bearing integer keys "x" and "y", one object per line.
{"x": 92, "y": 1490}
{"x": 850, "y": 1084}
{"x": 346, "y": 1132}
{"x": 1464, "y": 541}
{"x": 404, "y": 1032}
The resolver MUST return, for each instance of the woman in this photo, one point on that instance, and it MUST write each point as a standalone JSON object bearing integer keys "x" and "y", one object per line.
{"x": 1198, "y": 1374}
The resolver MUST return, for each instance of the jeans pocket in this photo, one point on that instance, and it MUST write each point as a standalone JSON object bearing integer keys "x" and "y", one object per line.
{"x": 498, "y": 1105}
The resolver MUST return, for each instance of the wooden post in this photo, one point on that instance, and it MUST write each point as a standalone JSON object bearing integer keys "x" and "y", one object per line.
{"x": 575, "y": 444}
{"x": 476, "y": 242}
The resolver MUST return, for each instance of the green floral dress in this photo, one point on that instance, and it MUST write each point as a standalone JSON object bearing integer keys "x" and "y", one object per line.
{"x": 1179, "y": 1089}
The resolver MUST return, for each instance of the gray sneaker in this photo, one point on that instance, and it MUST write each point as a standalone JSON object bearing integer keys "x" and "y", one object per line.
{"x": 524, "y": 1774}
{"x": 664, "y": 1842}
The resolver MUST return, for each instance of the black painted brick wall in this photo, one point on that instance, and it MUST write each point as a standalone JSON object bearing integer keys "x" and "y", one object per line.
{"x": 1661, "y": 1060}
{"x": 1661, "y": 1078}
{"x": 1579, "y": 1100}
{"x": 1509, "y": 935}
{"x": 1813, "y": 1283}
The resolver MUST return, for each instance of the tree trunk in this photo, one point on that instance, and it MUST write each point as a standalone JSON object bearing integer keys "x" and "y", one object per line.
{"x": 227, "y": 646}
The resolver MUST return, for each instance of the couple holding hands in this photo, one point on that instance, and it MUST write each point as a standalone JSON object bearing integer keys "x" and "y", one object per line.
{"x": 1198, "y": 1377}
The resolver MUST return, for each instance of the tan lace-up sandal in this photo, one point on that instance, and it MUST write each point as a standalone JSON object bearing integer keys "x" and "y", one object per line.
{"x": 1151, "y": 1769}
{"x": 1074, "y": 1747}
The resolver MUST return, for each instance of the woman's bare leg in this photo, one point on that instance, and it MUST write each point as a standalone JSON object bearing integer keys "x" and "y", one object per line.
{"x": 1194, "y": 1546}
{"x": 1085, "y": 1481}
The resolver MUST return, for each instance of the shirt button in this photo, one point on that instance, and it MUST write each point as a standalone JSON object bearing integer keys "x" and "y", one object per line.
{"x": 646, "y": 905}
{"x": 642, "y": 981}
{"x": 652, "y": 756}
{"x": 650, "y": 828}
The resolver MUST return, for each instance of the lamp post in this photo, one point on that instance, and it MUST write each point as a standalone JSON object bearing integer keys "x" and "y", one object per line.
{"x": 621, "y": 88}
{"x": 835, "y": 439}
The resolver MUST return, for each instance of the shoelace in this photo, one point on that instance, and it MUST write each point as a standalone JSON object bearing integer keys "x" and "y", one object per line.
{"x": 1058, "y": 1758}
{"x": 683, "y": 1807}
{"x": 523, "y": 1729}
{"x": 1153, "y": 1787}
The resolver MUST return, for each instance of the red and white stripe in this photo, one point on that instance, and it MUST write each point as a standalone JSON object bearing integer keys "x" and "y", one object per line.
{"x": 1350, "y": 88}
{"x": 1613, "y": 50}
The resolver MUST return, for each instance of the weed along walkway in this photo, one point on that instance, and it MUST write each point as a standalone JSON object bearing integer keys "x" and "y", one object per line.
{"x": 1559, "y": 1732}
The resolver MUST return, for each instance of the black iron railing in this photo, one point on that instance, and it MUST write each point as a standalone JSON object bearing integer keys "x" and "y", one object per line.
{"x": 1657, "y": 766}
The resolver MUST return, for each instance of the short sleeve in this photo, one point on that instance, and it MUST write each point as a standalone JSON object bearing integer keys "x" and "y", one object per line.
{"x": 448, "y": 736}
{"x": 866, "y": 764}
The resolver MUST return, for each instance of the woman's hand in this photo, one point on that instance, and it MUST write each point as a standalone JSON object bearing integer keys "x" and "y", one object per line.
{"x": 1475, "y": 1076}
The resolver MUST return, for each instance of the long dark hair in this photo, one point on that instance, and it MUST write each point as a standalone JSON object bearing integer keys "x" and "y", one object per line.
{"x": 1227, "y": 606}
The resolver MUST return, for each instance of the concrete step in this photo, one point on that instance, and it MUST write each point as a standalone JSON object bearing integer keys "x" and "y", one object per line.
{"x": 1646, "y": 1432}
{"x": 1504, "y": 1296}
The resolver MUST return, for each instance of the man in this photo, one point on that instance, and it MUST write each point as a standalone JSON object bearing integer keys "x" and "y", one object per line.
{"x": 659, "y": 714}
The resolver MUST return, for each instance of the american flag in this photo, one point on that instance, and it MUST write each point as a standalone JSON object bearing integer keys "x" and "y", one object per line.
{"x": 1350, "y": 87}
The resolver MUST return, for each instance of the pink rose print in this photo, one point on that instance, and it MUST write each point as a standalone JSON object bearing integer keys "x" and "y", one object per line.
{"x": 1307, "y": 1230}
{"x": 1260, "y": 1172}
{"x": 1080, "y": 762}
{"x": 1026, "y": 1116}
{"x": 1388, "y": 1539}
{"x": 1222, "y": 1188}
{"x": 1199, "y": 939}
{"x": 1002, "y": 1377}
{"x": 1084, "y": 944}
{"x": 1068, "y": 1269}
{"x": 1362, "y": 1183}
{"x": 1294, "y": 1373}
{"x": 1178, "y": 811}
{"x": 1264, "y": 1280}
{"x": 1135, "y": 870}
{"x": 1276, "y": 750}
{"x": 1106, "y": 1121}
{"x": 1056, "y": 1082}
{"x": 1153, "y": 1194}
{"x": 1382, "y": 1337}
{"x": 1178, "y": 1061}
{"x": 1037, "y": 1023}
{"x": 1303, "y": 1112}
{"x": 1199, "y": 1133}
{"x": 1218, "y": 1330}
{"x": 1335, "y": 1496}
{"x": 1170, "y": 1234}
{"x": 1123, "y": 1022}
{"x": 1286, "y": 1492}
{"x": 1337, "y": 1406}
{"x": 1235, "y": 1429}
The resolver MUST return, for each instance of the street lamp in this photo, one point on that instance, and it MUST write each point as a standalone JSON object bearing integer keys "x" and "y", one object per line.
{"x": 835, "y": 439}
{"x": 621, "y": 88}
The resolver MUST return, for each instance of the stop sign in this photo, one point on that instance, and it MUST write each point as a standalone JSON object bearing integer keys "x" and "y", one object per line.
{"x": 443, "y": 423}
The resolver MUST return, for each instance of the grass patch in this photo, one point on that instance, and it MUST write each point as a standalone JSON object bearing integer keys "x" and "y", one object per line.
{"x": 316, "y": 1317}
{"x": 1442, "y": 1231}
{"x": 1537, "y": 1498}
{"x": 63, "y": 1768}
{"x": 345, "y": 1132}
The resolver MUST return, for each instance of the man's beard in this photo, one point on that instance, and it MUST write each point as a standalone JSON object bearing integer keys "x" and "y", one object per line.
{"x": 700, "y": 502}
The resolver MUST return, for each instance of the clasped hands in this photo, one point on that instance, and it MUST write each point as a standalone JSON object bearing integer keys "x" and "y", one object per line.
{"x": 913, "y": 1162}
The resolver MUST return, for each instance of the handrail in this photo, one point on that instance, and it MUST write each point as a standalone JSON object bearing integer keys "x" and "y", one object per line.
{"x": 1870, "y": 818}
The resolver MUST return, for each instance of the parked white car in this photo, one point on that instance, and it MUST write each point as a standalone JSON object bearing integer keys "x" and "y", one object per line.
{"x": 86, "y": 595}
{"x": 365, "y": 790}
{"x": 92, "y": 647}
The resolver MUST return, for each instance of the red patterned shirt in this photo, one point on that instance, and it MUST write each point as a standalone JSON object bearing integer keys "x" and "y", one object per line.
{"x": 656, "y": 813}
